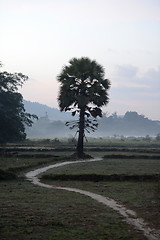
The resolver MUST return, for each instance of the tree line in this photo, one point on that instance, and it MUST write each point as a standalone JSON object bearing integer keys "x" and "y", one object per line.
{"x": 131, "y": 124}
{"x": 13, "y": 117}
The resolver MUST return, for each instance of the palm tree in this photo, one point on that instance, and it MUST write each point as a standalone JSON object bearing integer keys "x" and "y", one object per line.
{"x": 83, "y": 90}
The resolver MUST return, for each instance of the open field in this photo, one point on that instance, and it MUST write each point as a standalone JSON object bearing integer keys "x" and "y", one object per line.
{"x": 32, "y": 212}
{"x": 111, "y": 166}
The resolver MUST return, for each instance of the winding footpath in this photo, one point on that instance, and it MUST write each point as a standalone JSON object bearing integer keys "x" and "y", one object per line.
{"x": 129, "y": 215}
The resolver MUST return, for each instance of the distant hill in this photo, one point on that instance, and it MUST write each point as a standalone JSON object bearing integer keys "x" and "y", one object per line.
{"x": 131, "y": 124}
{"x": 42, "y": 110}
{"x": 51, "y": 124}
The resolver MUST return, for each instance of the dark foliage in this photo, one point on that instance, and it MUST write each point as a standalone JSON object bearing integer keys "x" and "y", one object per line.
{"x": 13, "y": 117}
{"x": 6, "y": 175}
{"x": 83, "y": 90}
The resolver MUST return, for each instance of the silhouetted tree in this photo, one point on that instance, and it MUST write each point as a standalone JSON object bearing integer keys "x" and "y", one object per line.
{"x": 13, "y": 117}
{"x": 83, "y": 90}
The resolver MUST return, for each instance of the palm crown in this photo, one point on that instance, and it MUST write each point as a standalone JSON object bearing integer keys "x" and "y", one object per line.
{"x": 82, "y": 83}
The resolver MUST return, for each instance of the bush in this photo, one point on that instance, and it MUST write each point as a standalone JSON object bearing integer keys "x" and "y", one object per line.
{"x": 5, "y": 175}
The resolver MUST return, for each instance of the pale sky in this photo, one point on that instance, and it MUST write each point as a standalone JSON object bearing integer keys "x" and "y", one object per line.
{"x": 39, "y": 37}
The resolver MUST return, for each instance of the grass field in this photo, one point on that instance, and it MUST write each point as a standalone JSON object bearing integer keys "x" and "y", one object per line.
{"x": 32, "y": 212}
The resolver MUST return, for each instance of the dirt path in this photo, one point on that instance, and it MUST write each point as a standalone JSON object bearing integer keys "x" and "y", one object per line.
{"x": 129, "y": 215}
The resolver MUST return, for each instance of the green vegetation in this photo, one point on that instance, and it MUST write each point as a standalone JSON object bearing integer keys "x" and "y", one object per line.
{"x": 6, "y": 175}
{"x": 112, "y": 166}
{"x": 32, "y": 212}
{"x": 129, "y": 142}
{"x": 13, "y": 117}
{"x": 138, "y": 186}
{"x": 83, "y": 90}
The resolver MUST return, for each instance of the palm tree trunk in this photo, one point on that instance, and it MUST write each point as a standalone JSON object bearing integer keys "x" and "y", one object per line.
{"x": 80, "y": 153}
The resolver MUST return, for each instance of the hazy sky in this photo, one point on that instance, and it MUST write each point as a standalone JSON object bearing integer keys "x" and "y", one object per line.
{"x": 39, "y": 37}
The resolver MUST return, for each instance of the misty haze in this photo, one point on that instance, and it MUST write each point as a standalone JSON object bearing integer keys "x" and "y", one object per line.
{"x": 51, "y": 124}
